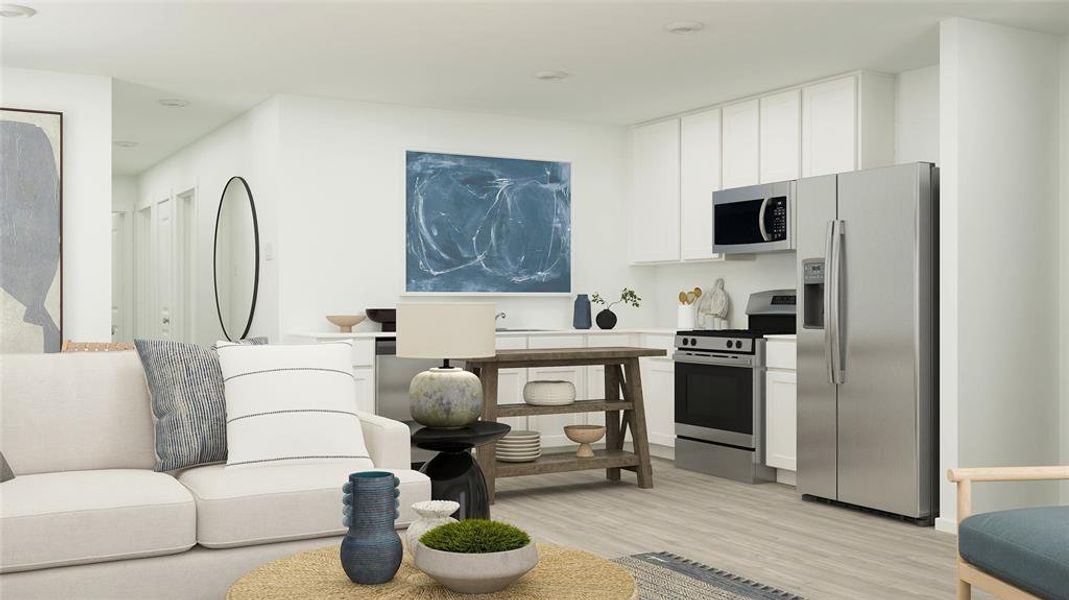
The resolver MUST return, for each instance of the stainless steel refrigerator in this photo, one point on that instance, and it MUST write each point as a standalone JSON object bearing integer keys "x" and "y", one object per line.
{"x": 867, "y": 338}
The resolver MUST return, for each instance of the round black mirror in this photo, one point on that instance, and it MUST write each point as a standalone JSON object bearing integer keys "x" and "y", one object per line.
{"x": 236, "y": 259}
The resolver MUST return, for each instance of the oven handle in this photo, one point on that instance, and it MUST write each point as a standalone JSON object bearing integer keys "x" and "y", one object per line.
{"x": 720, "y": 360}
{"x": 761, "y": 219}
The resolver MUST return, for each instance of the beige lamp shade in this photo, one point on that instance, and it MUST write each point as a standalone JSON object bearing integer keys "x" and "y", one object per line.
{"x": 446, "y": 330}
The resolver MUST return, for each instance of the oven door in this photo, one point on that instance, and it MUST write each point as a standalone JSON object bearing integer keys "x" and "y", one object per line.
{"x": 715, "y": 398}
{"x": 753, "y": 219}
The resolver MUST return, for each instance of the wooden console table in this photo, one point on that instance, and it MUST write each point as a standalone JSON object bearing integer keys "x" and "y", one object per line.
{"x": 622, "y": 406}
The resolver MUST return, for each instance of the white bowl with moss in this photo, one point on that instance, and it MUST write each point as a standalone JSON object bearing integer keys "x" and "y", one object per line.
{"x": 475, "y": 556}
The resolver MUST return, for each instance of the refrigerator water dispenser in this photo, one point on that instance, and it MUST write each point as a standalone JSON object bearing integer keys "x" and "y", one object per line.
{"x": 813, "y": 293}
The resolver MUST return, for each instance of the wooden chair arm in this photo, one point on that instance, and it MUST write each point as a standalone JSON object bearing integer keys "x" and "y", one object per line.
{"x": 965, "y": 477}
{"x": 1009, "y": 473}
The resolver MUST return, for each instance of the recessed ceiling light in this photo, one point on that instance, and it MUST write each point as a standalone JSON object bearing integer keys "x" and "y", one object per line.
{"x": 552, "y": 75}
{"x": 684, "y": 27}
{"x": 174, "y": 102}
{"x": 124, "y": 143}
{"x": 16, "y": 11}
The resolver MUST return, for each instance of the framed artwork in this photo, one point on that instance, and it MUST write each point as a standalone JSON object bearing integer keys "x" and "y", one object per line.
{"x": 31, "y": 230}
{"x": 487, "y": 225}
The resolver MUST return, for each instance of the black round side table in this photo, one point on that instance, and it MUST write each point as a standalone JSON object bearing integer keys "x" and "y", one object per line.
{"x": 453, "y": 472}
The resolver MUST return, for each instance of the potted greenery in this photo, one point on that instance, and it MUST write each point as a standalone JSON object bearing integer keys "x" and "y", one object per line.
{"x": 475, "y": 556}
{"x": 606, "y": 319}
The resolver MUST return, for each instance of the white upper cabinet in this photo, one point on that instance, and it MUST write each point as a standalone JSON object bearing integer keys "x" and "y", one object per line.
{"x": 829, "y": 127}
{"x": 741, "y": 142}
{"x": 781, "y": 116}
{"x": 654, "y": 206}
{"x": 699, "y": 178}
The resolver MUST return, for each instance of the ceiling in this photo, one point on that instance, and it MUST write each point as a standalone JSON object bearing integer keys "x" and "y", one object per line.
{"x": 225, "y": 57}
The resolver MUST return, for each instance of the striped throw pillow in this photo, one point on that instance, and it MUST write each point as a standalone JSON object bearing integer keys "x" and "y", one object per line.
{"x": 291, "y": 405}
{"x": 186, "y": 390}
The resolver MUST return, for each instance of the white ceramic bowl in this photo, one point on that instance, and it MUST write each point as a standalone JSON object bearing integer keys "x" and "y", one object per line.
{"x": 476, "y": 573}
{"x": 549, "y": 393}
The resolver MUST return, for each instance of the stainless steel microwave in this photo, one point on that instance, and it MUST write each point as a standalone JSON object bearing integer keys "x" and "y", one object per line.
{"x": 753, "y": 219}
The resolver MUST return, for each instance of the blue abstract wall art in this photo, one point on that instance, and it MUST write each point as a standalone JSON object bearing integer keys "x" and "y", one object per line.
{"x": 478, "y": 224}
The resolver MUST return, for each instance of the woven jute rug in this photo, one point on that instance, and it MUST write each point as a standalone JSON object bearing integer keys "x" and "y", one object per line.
{"x": 664, "y": 576}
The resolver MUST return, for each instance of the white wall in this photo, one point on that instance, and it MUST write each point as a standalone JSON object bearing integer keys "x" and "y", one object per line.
{"x": 917, "y": 116}
{"x": 246, "y": 146}
{"x": 1063, "y": 160}
{"x": 85, "y": 102}
{"x": 999, "y": 256}
{"x": 341, "y": 242}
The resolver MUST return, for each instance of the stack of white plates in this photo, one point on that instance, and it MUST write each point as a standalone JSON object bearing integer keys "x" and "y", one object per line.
{"x": 520, "y": 446}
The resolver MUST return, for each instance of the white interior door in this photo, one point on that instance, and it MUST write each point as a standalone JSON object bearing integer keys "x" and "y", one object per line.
{"x": 165, "y": 269}
{"x": 119, "y": 277}
{"x": 144, "y": 278}
{"x": 186, "y": 262}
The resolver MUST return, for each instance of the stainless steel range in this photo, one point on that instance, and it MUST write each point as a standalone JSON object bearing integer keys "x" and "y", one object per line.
{"x": 720, "y": 391}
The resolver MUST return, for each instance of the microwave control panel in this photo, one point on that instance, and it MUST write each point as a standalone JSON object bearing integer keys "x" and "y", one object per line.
{"x": 776, "y": 218}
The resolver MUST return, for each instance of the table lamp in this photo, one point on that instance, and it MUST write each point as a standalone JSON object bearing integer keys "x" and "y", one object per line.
{"x": 446, "y": 396}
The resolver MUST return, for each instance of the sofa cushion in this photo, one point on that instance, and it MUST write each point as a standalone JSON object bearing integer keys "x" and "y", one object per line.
{"x": 1027, "y": 547}
{"x": 290, "y": 404}
{"x": 75, "y": 411}
{"x": 54, "y": 519}
{"x": 242, "y": 507}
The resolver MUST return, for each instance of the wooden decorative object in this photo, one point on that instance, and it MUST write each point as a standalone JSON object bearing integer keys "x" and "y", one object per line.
{"x": 968, "y": 575}
{"x": 345, "y": 323}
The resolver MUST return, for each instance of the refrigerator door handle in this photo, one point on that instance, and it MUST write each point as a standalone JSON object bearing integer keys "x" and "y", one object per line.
{"x": 761, "y": 220}
{"x": 835, "y": 288}
{"x": 829, "y": 319}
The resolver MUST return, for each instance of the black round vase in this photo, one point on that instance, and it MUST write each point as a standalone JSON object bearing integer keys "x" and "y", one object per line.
{"x": 606, "y": 319}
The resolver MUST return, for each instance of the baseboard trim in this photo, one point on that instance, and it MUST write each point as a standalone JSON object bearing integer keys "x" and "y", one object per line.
{"x": 946, "y": 525}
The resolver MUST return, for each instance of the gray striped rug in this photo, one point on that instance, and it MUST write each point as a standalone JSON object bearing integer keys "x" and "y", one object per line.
{"x": 664, "y": 576}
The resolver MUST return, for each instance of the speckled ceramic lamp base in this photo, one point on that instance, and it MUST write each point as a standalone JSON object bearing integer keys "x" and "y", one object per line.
{"x": 561, "y": 574}
{"x": 448, "y": 398}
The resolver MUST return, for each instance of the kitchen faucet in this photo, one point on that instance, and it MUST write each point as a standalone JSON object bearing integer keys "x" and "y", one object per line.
{"x": 499, "y": 315}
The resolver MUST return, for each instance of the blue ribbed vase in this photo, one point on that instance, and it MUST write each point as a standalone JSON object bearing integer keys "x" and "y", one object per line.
{"x": 371, "y": 550}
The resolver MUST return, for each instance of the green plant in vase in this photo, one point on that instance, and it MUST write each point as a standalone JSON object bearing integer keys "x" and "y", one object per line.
{"x": 475, "y": 556}
{"x": 606, "y": 319}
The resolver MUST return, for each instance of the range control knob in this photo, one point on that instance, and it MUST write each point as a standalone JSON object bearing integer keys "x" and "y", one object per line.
{"x": 693, "y": 341}
{"x": 686, "y": 341}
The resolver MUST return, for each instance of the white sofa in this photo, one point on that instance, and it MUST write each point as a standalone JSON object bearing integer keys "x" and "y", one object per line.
{"x": 87, "y": 517}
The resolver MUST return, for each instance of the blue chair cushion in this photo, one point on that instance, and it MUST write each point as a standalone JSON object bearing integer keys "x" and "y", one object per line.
{"x": 1027, "y": 547}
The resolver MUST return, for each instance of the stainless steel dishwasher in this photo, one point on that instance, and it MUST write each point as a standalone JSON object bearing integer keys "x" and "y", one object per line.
{"x": 392, "y": 378}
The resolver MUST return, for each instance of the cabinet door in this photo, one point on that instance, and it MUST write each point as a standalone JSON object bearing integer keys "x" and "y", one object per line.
{"x": 780, "y": 132}
{"x": 365, "y": 388}
{"x": 595, "y": 376}
{"x": 552, "y": 426}
{"x": 781, "y": 424}
{"x": 658, "y": 392}
{"x": 829, "y": 127}
{"x": 699, "y": 172}
{"x": 741, "y": 128}
{"x": 654, "y": 209}
{"x": 510, "y": 382}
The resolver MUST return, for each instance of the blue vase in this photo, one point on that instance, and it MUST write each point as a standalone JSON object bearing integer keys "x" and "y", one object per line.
{"x": 371, "y": 550}
{"x": 581, "y": 314}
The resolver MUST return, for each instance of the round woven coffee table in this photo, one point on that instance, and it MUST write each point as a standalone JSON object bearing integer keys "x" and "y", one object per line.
{"x": 561, "y": 574}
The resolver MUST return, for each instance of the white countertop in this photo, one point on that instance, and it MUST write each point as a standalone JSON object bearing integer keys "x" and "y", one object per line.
{"x": 518, "y": 332}
{"x": 787, "y": 337}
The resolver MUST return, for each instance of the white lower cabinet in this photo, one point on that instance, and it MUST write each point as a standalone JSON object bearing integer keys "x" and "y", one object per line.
{"x": 365, "y": 388}
{"x": 510, "y": 382}
{"x": 552, "y": 426}
{"x": 658, "y": 394}
{"x": 781, "y": 419}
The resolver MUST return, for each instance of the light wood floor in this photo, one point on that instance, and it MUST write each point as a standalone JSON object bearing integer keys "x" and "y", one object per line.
{"x": 765, "y": 532}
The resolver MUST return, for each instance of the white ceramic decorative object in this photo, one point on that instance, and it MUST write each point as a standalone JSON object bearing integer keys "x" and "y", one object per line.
{"x": 449, "y": 398}
{"x": 549, "y": 393}
{"x": 519, "y": 446}
{"x": 475, "y": 573}
{"x": 432, "y": 513}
